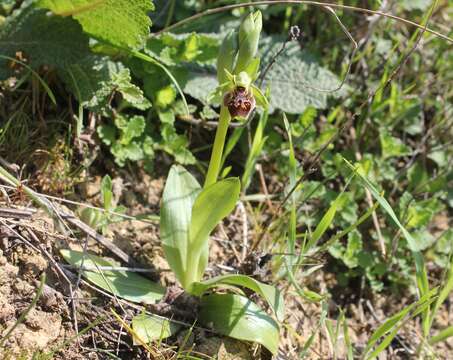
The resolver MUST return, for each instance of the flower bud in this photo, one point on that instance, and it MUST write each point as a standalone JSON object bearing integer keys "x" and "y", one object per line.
{"x": 226, "y": 57}
{"x": 249, "y": 35}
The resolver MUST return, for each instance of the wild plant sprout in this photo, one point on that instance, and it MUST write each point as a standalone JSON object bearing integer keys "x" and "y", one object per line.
{"x": 189, "y": 213}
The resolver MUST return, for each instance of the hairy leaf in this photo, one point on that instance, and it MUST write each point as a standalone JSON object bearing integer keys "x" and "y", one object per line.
{"x": 293, "y": 77}
{"x": 123, "y": 23}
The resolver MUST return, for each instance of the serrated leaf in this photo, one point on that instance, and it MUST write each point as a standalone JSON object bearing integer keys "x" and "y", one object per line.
{"x": 133, "y": 128}
{"x": 129, "y": 17}
{"x": 240, "y": 318}
{"x": 270, "y": 293}
{"x": 172, "y": 49}
{"x": 94, "y": 78}
{"x": 107, "y": 133}
{"x": 293, "y": 77}
{"x": 125, "y": 284}
{"x": 151, "y": 328}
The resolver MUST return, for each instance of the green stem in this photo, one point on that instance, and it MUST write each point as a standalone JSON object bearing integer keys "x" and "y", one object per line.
{"x": 217, "y": 150}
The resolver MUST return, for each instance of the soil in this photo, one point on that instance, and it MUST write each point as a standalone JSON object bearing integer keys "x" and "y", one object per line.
{"x": 30, "y": 247}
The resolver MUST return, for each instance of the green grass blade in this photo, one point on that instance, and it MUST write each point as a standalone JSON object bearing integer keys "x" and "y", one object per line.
{"x": 441, "y": 336}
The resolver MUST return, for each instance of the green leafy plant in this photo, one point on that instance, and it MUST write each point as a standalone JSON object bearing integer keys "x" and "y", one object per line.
{"x": 98, "y": 219}
{"x": 189, "y": 212}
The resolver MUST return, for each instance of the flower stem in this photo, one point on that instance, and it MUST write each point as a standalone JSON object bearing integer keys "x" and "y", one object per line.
{"x": 217, "y": 150}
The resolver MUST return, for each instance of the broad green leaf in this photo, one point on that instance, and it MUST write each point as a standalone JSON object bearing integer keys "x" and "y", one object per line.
{"x": 180, "y": 192}
{"x": 212, "y": 204}
{"x": 119, "y": 22}
{"x": 240, "y": 318}
{"x": 270, "y": 293}
{"x": 124, "y": 284}
{"x": 151, "y": 328}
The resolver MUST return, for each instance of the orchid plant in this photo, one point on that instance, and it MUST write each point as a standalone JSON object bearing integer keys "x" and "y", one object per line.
{"x": 189, "y": 212}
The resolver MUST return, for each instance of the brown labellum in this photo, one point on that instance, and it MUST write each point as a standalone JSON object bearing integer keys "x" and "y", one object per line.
{"x": 240, "y": 102}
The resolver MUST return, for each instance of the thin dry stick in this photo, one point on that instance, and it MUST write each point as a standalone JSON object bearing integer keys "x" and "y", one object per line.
{"x": 16, "y": 213}
{"x": 59, "y": 199}
{"x": 368, "y": 195}
{"x": 264, "y": 186}
{"x": 301, "y": 2}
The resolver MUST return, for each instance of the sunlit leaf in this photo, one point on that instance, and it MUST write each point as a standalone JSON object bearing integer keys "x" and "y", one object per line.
{"x": 180, "y": 192}
{"x": 97, "y": 17}
{"x": 212, "y": 204}
{"x": 270, "y": 293}
{"x": 125, "y": 284}
{"x": 239, "y": 318}
{"x": 150, "y": 328}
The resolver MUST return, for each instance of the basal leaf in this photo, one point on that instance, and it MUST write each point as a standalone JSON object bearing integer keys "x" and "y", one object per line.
{"x": 125, "y": 284}
{"x": 180, "y": 192}
{"x": 212, "y": 204}
{"x": 270, "y": 293}
{"x": 240, "y": 318}
{"x": 188, "y": 215}
{"x": 123, "y": 23}
{"x": 151, "y": 328}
